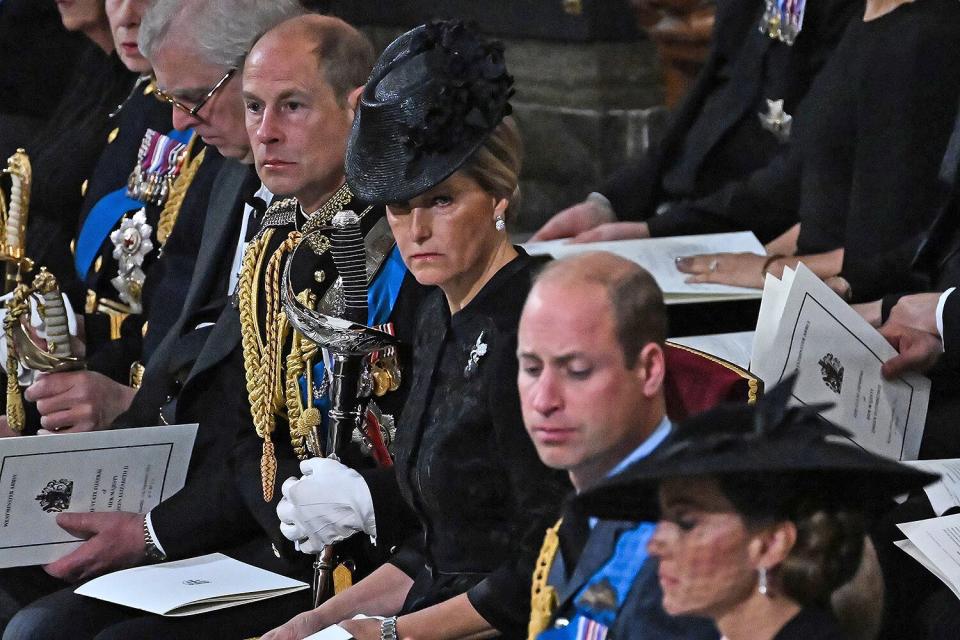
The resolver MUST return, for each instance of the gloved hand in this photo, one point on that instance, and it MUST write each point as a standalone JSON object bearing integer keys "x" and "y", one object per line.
{"x": 329, "y": 503}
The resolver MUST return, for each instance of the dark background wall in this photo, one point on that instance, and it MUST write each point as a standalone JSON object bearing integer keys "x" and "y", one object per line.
{"x": 588, "y": 84}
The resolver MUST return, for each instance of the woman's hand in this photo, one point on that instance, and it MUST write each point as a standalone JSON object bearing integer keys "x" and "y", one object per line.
{"x": 297, "y": 628}
{"x": 737, "y": 269}
{"x": 614, "y": 231}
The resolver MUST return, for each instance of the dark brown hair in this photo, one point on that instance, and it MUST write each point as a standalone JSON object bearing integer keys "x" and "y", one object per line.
{"x": 830, "y": 533}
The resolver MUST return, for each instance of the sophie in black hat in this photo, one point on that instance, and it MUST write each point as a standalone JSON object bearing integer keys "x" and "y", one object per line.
{"x": 432, "y": 99}
{"x": 768, "y": 440}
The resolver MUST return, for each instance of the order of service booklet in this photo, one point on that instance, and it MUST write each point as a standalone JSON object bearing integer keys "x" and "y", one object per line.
{"x": 804, "y": 327}
{"x": 657, "y": 255}
{"x": 191, "y": 586}
{"x": 935, "y": 543}
{"x": 114, "y": 470}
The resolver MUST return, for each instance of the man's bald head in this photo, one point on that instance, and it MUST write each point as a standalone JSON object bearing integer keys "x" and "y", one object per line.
{"x": 343, "y": 54}
{"x": 634, "y": 295}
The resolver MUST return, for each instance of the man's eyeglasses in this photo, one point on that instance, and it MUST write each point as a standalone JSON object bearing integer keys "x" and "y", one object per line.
{"x": 194, "y": 110}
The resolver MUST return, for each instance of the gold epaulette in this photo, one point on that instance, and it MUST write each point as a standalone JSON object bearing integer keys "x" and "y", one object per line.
{"x": 543, "y": 597}
{"x": 262, "y": 358}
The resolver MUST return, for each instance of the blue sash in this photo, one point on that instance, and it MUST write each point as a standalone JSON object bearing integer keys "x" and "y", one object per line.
{"x": 103, "y": 217}
{"x": 381, "y": 298}
{"x": 617, "y": 576}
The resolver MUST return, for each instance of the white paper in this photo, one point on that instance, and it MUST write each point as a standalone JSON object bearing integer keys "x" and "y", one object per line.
{"x": 657, "y": 256}
{"x": 936, "y": 545}
{"x": 333, "y": 632}
{"x": 771, "y": 309}
{"x": 188, "y": 587}
{"x": 944, "y": 493}
{"x": 838, "y": 356}
{"x": 336, "y": 632}
{"x": 911, "y": 549}
{"x": 732, "y": 347}
{"x": 115, "y": 470}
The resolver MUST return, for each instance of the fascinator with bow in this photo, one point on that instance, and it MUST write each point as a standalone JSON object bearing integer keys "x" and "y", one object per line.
{"x": 768, "y": 440}
{"x": 432, "y": 99}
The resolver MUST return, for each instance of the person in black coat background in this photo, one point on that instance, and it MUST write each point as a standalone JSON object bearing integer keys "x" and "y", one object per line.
{"x": 869, "y": 138}
{"x": 693, "y": 181}
{"x": 37, "y": 56}
{"x": 65, "y": 152}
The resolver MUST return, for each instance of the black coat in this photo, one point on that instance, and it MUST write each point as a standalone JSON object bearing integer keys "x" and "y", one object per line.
{"x": 464, "y": 461}
{"x": 715, "y": 142}
{"x": 811, "y": 624}
{"x": 37, "y": 56}
{"x": 64, "y": 154}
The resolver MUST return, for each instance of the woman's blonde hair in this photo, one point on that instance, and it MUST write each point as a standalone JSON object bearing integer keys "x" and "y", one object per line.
{"x": 495, "y": 166}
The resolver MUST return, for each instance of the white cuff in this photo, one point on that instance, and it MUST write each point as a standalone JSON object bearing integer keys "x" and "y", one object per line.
{"x": 153, "y": 534}
{"x": 940, "y": 305}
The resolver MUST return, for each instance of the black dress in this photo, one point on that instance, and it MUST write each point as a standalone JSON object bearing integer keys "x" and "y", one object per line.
{"x": 811, "y": 624}
{"x": 465, "y": 463}
{"x": 874, "y": 129}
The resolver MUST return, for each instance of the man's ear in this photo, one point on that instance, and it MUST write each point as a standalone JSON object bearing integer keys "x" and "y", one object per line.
{"x": 353, "y": 99}
{"x": 651, "y": 368}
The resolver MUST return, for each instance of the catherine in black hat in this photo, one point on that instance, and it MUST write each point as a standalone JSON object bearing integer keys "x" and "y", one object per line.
{"x": 433, "y": 141}
{"x": 762, "y": 515}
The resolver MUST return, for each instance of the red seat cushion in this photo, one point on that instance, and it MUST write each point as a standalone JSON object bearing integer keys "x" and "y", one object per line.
{"x": 697, "y": 381}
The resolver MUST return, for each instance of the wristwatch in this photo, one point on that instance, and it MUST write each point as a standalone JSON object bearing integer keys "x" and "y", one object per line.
{"x": 151, "y": 550}
{"x": 388, "y": 628}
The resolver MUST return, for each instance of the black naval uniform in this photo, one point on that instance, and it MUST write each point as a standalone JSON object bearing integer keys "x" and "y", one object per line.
{"x": 696, "y": 176}
{"x": 464, "y": 461}
{"x": 141, "y": 112}
{"x": 316, "y": 272}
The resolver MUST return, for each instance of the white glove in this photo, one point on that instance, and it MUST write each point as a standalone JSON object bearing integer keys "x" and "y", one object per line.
{"x": 330, "y": 503}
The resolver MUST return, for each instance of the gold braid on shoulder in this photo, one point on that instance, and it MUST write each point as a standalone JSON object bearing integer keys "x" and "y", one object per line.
{"x": 303, "y": 418}
{"x": 178, "y": 190}
{"x": 262, "y": 359}
{"x": 543, "y": 597}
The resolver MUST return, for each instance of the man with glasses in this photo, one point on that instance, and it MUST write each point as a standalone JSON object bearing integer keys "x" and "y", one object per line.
{"x": 217, "y": 124}
{"x": 194, "y": 375}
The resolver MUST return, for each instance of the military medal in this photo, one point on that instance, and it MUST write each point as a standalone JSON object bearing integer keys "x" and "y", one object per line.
{"x": 131, "y": 244}
{"x": 158, "y": 163}
{"x": 776, "y": 120}
{"x": 783, "y": 19}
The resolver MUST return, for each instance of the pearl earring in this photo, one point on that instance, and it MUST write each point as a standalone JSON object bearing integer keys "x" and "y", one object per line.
{"x": 762, "y": 580}
{"x": 500, "y": 224}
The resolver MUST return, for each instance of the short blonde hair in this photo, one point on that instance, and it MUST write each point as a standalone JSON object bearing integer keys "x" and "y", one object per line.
{"x": 495, "y": 166}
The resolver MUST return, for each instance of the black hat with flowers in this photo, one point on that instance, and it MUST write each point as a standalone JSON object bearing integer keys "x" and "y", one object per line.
{"x": 432, "y": 99}
{"x": 765, "y": 442}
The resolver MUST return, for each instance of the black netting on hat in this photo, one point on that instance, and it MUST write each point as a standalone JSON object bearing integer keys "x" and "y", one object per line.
{"x": 434, "y": 96}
